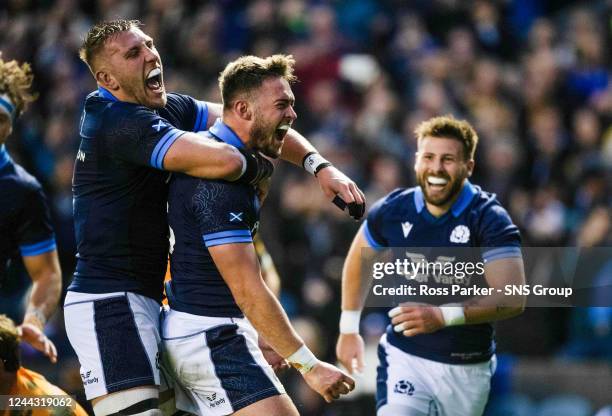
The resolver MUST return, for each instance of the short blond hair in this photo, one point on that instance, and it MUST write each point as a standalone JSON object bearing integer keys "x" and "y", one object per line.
{"x": 97, "y": 36}
{"x": 15, "y": 81}
{"x": 247, "y": 73}
{"x": 452, "y": 128}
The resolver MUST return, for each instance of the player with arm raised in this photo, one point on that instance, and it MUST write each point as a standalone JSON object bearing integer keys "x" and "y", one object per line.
{"x": 132, "y": 133}
{"x": 25, "y": 226}
{"x": 218, "y": 300}
{"x": 435, "y": 358}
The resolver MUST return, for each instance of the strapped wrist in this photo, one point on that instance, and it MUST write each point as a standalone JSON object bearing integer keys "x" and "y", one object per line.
{"x": 313, "y": 162}
{"x": 349, "y": 322}
{"x": 453, "y": 314}
{"x": 303, "y": 359}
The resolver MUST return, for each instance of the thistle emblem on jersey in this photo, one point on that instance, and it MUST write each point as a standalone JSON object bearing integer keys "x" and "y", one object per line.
{"x": 460, "y": 234}
{"x": 406, "y": 227}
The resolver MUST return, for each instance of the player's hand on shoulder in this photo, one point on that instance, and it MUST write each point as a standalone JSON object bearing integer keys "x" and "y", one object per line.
{"x": 36, "y": 338}
{"x": 336, "y": 185}
{"x": 329, "y": 381}
{"x": 413, "y": 319}
{"x": 350, "y": 352}
{"x": 258, "y": 167}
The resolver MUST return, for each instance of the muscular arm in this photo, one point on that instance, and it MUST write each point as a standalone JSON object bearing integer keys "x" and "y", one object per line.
{"x": 354, "y": 285}
{"x": 296, "y": 147}
{"x": 45, "y": 272}
{"x": 350, "y": 345}
{"x": 203, "y": 158}
{"x": 239, "y": 267}
{"x": 421, "y": 319}
{"x": 498, "y": 306}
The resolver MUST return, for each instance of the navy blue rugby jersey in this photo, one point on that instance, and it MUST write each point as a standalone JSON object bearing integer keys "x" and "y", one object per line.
{"x": 477, "y": 220}
{"x": 120, "y": 191}
{"x": 25, "y": 227}
{"x": 202, "y": 214}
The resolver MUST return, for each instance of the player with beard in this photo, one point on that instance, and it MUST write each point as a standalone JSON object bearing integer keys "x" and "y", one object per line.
{"x": 133, "y": 133}
{"x": 218, "y": 300}
{"x": 435, "y": 359}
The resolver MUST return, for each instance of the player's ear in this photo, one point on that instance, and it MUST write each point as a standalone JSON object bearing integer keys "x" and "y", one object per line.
{"x": 470, "y": 167}
{"x": 106, "y": 80}
{"x": 243, "y": 109}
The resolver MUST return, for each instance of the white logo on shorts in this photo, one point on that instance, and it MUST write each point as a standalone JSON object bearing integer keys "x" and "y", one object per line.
{"x": 460, "y": 234}
{"x": 212, "y": 400}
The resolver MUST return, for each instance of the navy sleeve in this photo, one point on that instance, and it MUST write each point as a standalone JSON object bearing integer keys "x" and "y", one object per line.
{"x": 223, "y": 212}
{"x": 190, "y": 114}
{"x": 371, "y": 226}
{"x": 34, "y": 232}
{"x": 139, "y": 135}
{"x": 499, "y": 237}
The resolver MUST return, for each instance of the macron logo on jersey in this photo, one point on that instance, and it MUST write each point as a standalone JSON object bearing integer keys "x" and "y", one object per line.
{"x": 159, "y": 125}
{"x": 406, "y": 227}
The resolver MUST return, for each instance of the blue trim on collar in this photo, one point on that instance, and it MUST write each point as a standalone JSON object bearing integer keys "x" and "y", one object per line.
{"x": 226, "y": 134}
{"x": 106, "y": 94}
{"x": 465, "y": 197}
{"x": 4, "y": 157}
{"x": 419, "y": 200}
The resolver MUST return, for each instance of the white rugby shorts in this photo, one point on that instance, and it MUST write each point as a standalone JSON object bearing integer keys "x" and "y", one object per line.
{"x": 408, "y": 385}
{"x": 116, "y": 338}
{"x": 217, "y": 362}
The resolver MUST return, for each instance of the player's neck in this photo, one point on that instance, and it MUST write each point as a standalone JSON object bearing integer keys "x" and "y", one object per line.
{"x": 439, "y": 210}
{"x": 240, "y": 128}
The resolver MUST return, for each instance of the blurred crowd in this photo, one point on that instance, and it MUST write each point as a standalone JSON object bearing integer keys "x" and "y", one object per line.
{"x": 533, "y": 76}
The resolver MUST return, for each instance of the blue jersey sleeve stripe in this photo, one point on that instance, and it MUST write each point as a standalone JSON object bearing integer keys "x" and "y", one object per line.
{"x": 166, "y": 146}
{"x": 157, "y": 157}
{"x": 204, "y": 118}
{"x": 368, "y": 235}
{"x": 38, "y": 248}
{"x": 230, "y": 233}
{"x": 159, "y": 145}
{"x": 501, "y": 253}
{"x": 196, "y": 125}
{"x": 228, "y": 240}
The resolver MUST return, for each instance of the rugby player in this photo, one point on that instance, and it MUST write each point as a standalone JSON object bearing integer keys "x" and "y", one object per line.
{"x": 435, "y": 359}
{"x": 25, "y": 227}
{"x": 132, "y": 133}
{"x": 219, "y": 302}
{"x": 17, "y": 381}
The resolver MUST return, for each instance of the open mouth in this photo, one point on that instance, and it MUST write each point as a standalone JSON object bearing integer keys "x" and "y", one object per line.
{"x": 154, "y": 80}
{"x": 281, "y": 131}
{"x": 436, "y": 183}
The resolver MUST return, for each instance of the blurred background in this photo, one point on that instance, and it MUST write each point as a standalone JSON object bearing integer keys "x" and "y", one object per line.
{"x": 533, "y": 76}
